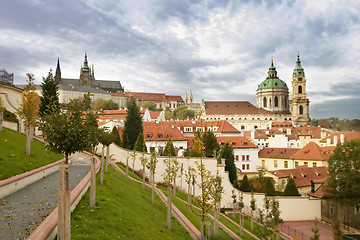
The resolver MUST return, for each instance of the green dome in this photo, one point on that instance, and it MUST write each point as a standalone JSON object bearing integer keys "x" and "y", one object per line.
{"x": 272, "y": 83}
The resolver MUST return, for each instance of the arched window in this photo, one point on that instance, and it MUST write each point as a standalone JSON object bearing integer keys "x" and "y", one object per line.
{"x": 242, "y": 127}
{"x": 276, "y": 101}
{"x": 301, "y": 110}
{"x": 300, "y": 89}
{"x": 265, "y": 102}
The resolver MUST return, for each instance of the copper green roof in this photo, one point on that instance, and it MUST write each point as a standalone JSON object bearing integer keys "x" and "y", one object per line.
{"x": 272, "y": 83}
{"x": 85, "y": 67}
{"x": 299, "y": 70}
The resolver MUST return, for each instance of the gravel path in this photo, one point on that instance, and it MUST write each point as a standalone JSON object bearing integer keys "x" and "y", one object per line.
{"x": 23, "y": 211}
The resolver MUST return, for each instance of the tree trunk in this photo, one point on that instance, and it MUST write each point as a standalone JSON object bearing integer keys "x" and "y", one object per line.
{"x": 63, "y": 227}
{"x": 93, "y": 183}
{"x": 1, "y": 121}
{"x": 127, "y": 166}
{"x": 20, "y": 125}
{"x": 169, "y": 207}
{"x": 240, "y": 224}
{"x": 28, "y": 140}
{"x": 153, "y": 188}
{"x": 193, "y": 190}
{"x": 174, "y": 187}
{"x": 216, "y": 217}
{"x": 189, "y": 197}
{"x": 102, "y": 166}
{"x": 252, "y": 220}
{"x": 107, "y": 159}
{"x": 202, "y": 228}
{"x": 143, "y": 187}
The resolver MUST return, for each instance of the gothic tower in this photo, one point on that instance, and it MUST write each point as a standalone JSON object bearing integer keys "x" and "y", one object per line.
{"x": 299, "y": 102}
{"x": 85, "y": 74}
{"x": 58, "y": 72}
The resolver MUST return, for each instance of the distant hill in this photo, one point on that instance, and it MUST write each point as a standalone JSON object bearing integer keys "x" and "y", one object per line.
{"x": 337, "y": 124}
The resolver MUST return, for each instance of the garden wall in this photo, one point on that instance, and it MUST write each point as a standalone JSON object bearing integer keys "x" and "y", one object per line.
{"x": 292, "y": 208}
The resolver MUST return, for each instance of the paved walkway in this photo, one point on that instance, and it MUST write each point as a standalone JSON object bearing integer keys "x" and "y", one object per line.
{"x": 302, "y": 230}
{"x": 23, "y": 211}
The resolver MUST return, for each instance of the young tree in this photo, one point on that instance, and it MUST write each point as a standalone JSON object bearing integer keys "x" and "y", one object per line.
{"x": 253, "y": 208}
{"x": 176, "y": 169}
{"x": 2, "y": 109}
{"x": 204, "y": 200}
{"x": 109, "y": 105}
{"x": 197, "y": 149}
{"x": 133, "y": 157}
{"x": 168, "y": 176}
{"x": 149, "y": 105}
{"x": 245, "y": 185}
{"x": 151, "y": 165}
{"x": 315, "y": 230}
{"x": 93, "y": 140}
{"x": 29, "y": 110}
{"x": 169, "y": 149}
{"x": 117, "y": 139}
{"x": 233, "y": 196}
{"x": 228, "y": 153}
{"x": 291, "y": 189}
{"x": 268, "y": 188}
{"x": 189, "y": 179}
{"x": 105, "y": 138}
{"x": 140, "y": 143}
{"x": 269, "y": 217}
{"x": 127, "y": 156}
{"x": 65, "y": 132}
{"x": 241, "y": 205}
{"x": 216, "y": 194}
{"x": 143, "y": 160}
{"x": 211, "y": 146}
{"x": 132, "y": 126}
{"x": 49, "y": 92}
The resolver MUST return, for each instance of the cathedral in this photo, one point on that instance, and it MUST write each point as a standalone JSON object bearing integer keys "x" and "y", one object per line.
{"x": 272, "y": 103}
{"x": 87, "y": 79}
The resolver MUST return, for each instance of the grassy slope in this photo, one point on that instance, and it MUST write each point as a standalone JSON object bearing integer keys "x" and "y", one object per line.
{"x": 123, "y": 211}
{"x": 13, "y": 159}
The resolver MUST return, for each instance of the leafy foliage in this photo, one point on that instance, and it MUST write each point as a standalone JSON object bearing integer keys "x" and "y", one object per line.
{"x": 140, "y": 143}
{"x": 169, "y": 149}
{"x": 49, "y": 92}
{"x": 211, "y": 146}
{"x": 149, "y": 105}
{"x": 245, "y": 185}
{"x": 268, "y": 188}
{"x": 344, "y": 177}
{"x": 315, "y": 230}
{"x": 227, "y": 152}
{"x": 117, "y": 139}
{"x": 106, "y": 137}
{"x": 109, "y": 105}
{"x": 337, "y": 124}
{"x": 269, "y": 217}
{"x": 197, "y": 149}
{"x": 182, "y": 112}
{"x": 9, "y": 116}
{"x": 92, "y": 130}
{"x": 291, "y": 189}
{"x": 133, "y": 125}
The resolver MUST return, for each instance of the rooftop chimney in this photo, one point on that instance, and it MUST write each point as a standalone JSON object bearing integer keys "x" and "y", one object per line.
{"x": 342, "y": 138}
{"x": 335, "y": 140}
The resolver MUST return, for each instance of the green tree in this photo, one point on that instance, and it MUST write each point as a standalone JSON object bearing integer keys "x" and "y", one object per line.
{"x": 269, "y": 217}
{"x": 2, "y": 110}
{"x": 241, "y": 205}
{"x": 29, "y": 110}
{"x": 185, "y": 113}
{"x": 151, "y": 165}
{"x": 109, "y": 105}
{"x": 169, "y": 115}
{"x": 149, "y": 105}
{"x": 133, "y": 125}
{"x": 105, "y": 138}
{"x": 140, "y": 143}
{"x": 291, "y": 189}
{"x": 344, "y": 168}
{"x": 211, "y": 146}
{"x": 117, "y": 139}
{"x": 97, "y": 104}
{"x": 253, "y": 208}
{"x": 197, "y": 149}
{"x": 169, "y": 149}
{"x": 65, "y": 132}
{"x": 227, "y": 152}
{"x": 315, "y": 230}
{"x": 179, "y": 108}
{"x": 245, "y": 185}
{"x": 49, "y": 92}
{"x": 189, "y": 175}
{"x": 268, "y": 188}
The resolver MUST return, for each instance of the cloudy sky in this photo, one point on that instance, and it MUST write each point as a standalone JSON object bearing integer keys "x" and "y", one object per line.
{"x": 219, "y": 49}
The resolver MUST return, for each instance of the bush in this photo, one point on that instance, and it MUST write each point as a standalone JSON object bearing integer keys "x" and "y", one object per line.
{"x": 9, "y": 116}
{"x": 245, "y": 185}
{"x": 268, "y": 188}
{"x": 291, "y": 189}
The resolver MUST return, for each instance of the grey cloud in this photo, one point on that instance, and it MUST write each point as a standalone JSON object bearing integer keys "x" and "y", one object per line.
{"x": 344, "y": 108}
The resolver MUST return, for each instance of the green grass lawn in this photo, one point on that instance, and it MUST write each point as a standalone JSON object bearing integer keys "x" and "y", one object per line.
{"x": 123, "y": 211}
{"x": 13, "y": 158}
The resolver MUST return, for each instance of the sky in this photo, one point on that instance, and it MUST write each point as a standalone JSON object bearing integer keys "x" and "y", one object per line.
{"x": 218, "y": 49}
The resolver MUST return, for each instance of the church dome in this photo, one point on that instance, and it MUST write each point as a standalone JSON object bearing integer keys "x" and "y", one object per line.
{"x": 272, "y": 83}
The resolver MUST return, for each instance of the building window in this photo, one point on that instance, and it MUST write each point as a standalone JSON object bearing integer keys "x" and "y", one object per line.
{"x": 247, "y": 166}
{"x": 275, "y": 163}
{"x": 152, "y": 149}
{"x": 332, "y": 210}
{"x": 301, "y": 110}
{"x": 276, "y": 101}
{"x": 243, "y": 157}
{"x": 286, "y": 164}
{"x": 314, "y": 164}
{"x": 243, "y": 167}
{"x": 265, "y": 102}
{"x": 300, "y": 89}
{"x": 188, "y": 129}
{"x": 247, "y": 157}
{"x": 296, "y": 164}
{"x": 237, "y": 158}
{"x": 306, "y": 164}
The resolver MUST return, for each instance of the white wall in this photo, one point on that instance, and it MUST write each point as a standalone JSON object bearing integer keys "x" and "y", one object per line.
{"x": 292, "y": 208}
{"x": 278, "y": 141}
{"x": 253, "y": 158}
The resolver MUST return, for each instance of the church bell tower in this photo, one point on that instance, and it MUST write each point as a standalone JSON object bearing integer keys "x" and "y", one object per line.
{"x": 85, "y": 74}
{"x": 299, "y": 102}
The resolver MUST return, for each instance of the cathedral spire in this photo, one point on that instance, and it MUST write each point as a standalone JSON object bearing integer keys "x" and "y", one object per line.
{"x": 85, "y": 67}
{"x": 58, "y": 72}
{"x": 92, "y": 72}
{"x": 299, "y": 70}
{"x": 272, "y": 73}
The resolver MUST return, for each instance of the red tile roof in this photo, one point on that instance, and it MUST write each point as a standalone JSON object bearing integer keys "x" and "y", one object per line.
{"x": 347, "y": 136}
{"x": 233, "y": 108}
{"x": 156, "y": 97}
{"x": 174, "y": 98}
{"x": 194, "y": 104}
{"x": 236, "y": 142}
{"x": 303, "y": 175}
{"x": 154, "y": 114}
{"x": 161, "y": 131}
{"x": 223, "y": 125}
{"x": 312, "y": 151}
{"x": 282, "y": 153}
